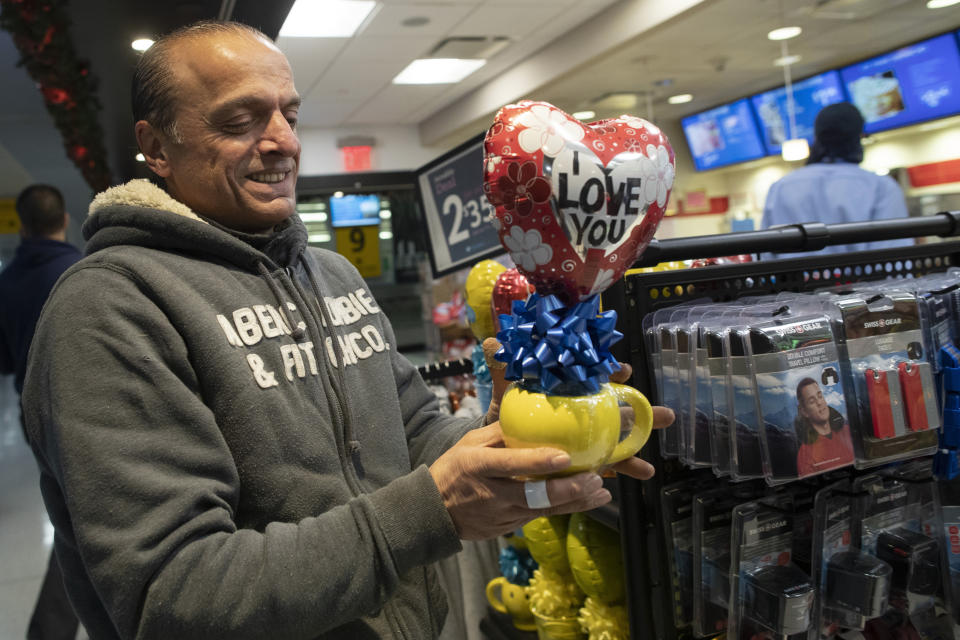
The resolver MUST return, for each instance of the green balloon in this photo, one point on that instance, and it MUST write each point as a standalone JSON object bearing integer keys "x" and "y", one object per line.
{"x": 593, "y": 552}
{"x": 547, "y": 541}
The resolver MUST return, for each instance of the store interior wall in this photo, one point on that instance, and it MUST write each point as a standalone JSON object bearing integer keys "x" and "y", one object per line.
{"x": 395, "y": 148}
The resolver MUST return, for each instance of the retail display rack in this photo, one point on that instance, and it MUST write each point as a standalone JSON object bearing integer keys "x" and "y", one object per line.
{"x": 636, "y": 510}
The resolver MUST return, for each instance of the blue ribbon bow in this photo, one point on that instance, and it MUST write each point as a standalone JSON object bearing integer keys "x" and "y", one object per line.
{"x": 563, "y": 350}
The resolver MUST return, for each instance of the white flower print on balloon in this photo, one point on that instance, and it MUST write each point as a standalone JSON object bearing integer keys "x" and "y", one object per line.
{"x": 603, "y": 281}
{"x": 527, "y": 248}
{"x": 664, "y": 173}
{"x": 638, "y": 123}
{"x": 657, "y": 172}
{"x": 546, "y": 130}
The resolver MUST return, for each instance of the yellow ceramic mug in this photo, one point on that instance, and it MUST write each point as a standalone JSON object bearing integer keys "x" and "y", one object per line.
{"x": 587, "y": 427}
{"x": 512, "y": 599}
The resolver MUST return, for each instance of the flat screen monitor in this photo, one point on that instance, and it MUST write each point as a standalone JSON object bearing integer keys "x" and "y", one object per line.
{"x": 912, "y": 84}
{"x": 809, "y": 96}
{"x": 723, "y": 135}
{"x": 354, "y": 210}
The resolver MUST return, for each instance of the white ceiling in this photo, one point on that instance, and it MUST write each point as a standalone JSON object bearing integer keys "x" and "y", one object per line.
{"x": 348, "y": 81}
{"x": 719, "y": 51}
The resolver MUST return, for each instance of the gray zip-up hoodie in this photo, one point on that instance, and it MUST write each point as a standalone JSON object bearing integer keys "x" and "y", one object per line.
{"x": 221, "y": 456}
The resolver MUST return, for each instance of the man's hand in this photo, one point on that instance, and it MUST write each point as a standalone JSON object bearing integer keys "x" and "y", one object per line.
{"x": 476, "y": 478}
{"x": 638, "y": 467}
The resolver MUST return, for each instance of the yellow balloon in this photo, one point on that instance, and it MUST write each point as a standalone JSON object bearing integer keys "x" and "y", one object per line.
{"x": 479, "y": 288}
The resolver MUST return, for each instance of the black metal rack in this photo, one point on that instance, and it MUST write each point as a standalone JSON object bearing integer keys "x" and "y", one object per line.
{"x": 637, "y": 510}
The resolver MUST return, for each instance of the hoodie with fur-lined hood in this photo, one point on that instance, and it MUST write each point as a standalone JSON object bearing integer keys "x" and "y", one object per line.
{"x": 221, "y": 455}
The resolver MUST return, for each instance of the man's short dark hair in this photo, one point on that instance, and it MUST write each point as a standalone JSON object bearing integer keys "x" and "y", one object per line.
{"x": 806, "y": 382}
{"x": 41, "y": 210}
{"x": 836, "y": 134}
{"x": 153, "y": 90}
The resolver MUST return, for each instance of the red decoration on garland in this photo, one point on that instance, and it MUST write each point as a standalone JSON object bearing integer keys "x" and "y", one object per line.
{"x": 55, "y": 95}
{"x": 40, "y": 30}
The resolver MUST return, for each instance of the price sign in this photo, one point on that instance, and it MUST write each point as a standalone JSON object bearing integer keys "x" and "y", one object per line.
{"x": 457, "y": 212}
{"x": 361, "y": 246}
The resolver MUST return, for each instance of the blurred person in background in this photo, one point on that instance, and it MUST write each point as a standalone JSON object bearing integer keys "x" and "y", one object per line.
{"x": 43, "y": 255}
{"x": 831, "y": 188}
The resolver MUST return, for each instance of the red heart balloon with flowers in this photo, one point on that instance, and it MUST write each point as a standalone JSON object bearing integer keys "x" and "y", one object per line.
{"x": 576, "y": 204}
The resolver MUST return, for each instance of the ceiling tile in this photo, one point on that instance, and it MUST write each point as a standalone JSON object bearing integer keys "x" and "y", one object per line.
{"x": 316, "y": 111}
{"x": 358, "y": 82}
{"x": 384, "y": 49}
{"x": 310, "y": 57}
{"x": 513, "y": 19}
{"x": 442, "y": 17}
{"x": 395, "y": 102}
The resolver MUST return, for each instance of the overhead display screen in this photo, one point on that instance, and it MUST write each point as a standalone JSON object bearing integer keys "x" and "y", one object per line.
{"x": 809, "y": 97}
{"x": 723, "y": 135}
{"x": 912, "y": 84}
{"x": 354, "y": 210}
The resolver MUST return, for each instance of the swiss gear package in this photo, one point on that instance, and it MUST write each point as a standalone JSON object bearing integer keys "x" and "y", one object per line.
{"x": 800, "y": 393}
{"x": 894, "y": 404}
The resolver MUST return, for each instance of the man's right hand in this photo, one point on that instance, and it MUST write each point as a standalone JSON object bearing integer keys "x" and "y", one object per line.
{"x": 477, "y": 480}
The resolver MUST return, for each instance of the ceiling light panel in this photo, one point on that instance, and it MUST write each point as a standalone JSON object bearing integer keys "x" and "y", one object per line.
{"x": 784, "y": 33}
{"x": 437, "y": 71}
{"x": 326, "y": 18}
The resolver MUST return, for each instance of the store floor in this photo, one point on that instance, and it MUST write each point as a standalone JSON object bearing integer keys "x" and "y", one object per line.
{"x": 25, "y": 531}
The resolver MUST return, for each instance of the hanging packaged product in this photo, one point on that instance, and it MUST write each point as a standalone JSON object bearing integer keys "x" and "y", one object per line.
{"x": 683, "y": 409}
{"x": 933, "y": 293}
{"x": 800, "y": 394}
{"x": 949, "y": 494}
{"x": 714, "y": 334}
{"x": 667, "y": 339}
{"x": 894, "y": 403}
{"x": 712, "y": 515}
{"x": 746, "y": 459}
{"x": 889, "y": 514}
{"x": 661, "y": 342}
{"x": 676, "y": 501}
{"x": 769, "y": 593}
{"x": 854, "y": 586}
{"x": 699, "y": 406}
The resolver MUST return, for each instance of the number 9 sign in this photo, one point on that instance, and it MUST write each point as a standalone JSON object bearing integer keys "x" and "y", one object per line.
{"x": 459, "y": 218}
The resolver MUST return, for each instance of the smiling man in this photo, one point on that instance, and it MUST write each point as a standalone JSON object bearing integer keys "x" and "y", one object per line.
{"x": 230, "y": 445}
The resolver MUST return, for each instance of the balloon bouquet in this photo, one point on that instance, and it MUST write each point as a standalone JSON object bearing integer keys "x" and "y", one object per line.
{"x": 576, "y": 205}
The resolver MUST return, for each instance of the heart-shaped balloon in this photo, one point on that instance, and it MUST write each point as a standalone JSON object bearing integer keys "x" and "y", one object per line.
{"x": 576, "y": 203}
{"x": 510, "y": 285}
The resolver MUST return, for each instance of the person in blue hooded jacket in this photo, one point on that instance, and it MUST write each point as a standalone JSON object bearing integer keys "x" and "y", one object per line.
{"x": 832, "y": 188}
{"x": 230, "y": 445}
{"x": 42, "y": 256}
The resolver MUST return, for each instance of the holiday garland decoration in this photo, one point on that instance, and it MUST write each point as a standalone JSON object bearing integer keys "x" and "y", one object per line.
{"x": 40, "y": 30}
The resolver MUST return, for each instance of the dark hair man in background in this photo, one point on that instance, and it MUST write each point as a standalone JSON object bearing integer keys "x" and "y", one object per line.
{"x": 43, "y": 255}
{"x": 831, "y": 188}
{"x": 823, "y": 433}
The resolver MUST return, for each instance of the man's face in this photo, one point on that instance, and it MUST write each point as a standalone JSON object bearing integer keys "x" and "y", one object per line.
{"x": 236, "y": 113}
{"x": 812, "y": 405}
